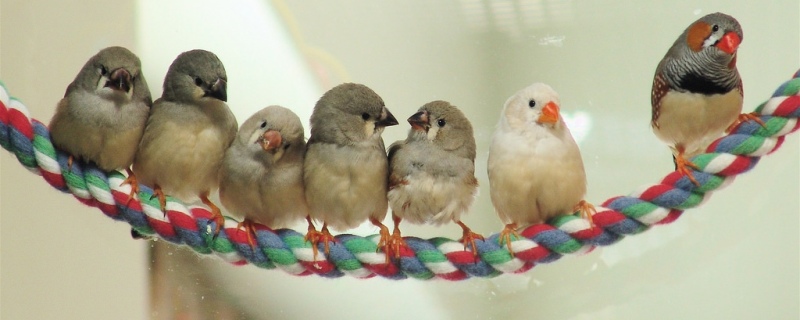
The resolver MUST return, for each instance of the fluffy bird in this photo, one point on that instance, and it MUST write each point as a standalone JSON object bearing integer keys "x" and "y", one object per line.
{"x": 102, "y": 115}
{"x": 432, "y": 172}
{"x": 697, "y": 92}
{"x": 346, "y": 167}
{"x": 187, "y": 132}
{"x": 261, "y": 178}
{"x": 535, "y": 167}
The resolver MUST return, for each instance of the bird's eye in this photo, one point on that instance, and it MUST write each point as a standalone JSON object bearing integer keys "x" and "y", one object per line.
{"x": 365, "y": 116}
{"x": 532, "y": 103}
{"x": 441, "y": 123}
{"x": 103, "y": 70}
{"x": 715, "y": 28}
{"x": 263, "y": 124}
{"x": 198, "y": 81}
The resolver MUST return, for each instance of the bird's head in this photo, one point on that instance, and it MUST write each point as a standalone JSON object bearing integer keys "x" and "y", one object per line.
{"x": 535, "y": 106}
{"x": 445, "y": 126}
{"x": 350, "y": 113}
{"x": 114, "y": 73}
{"x": 718, "y": 34}
{"x": 196, "y": 75}
{"x": 272, "y": 132}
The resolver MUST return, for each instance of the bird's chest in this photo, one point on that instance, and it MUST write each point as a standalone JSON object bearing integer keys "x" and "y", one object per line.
{"x": 687, "y": 118}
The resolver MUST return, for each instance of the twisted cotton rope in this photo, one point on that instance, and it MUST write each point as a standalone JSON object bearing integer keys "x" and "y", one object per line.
{"x": 438, "y": 257}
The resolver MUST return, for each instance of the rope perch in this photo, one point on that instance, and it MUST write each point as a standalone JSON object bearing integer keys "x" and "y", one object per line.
{"x": 662, "y": 203}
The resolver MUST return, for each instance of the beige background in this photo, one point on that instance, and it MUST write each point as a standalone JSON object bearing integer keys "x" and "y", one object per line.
{"x": 736, "y": 257}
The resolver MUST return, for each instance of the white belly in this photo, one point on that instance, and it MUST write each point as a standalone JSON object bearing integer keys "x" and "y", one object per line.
{"x": 693, "y": 121}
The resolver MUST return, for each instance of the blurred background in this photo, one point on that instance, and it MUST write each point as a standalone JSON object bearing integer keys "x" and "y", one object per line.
{"x": 735, "y": 257}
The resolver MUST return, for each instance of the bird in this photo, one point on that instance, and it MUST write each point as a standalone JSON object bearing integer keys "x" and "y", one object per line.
{"x": 103, "y": 113}
{"x": 432, "y": 172}
{"x": 697, "y": 91}
{"x": 346, "y": 169}
{"x": 535, "y": 167}
{"x": 261, "y": 178}
{"x": 187, "y": 132}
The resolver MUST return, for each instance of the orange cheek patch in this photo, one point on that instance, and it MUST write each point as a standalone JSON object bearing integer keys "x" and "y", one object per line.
{"x": 697, "y": 34}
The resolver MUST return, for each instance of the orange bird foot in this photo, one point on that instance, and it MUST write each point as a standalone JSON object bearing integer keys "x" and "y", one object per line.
{"x": 249, "y": 227}
{"x": 383, "y": 243}
{"x": 216, "y": 213}
{"x": 744, "y": 117}
{"x": 131, "y": 180}
{"x": 396, "y": 239}
{"x": 682, "y": 165}
{"x": 505, "y": 236}
{"x": 314, "y": 237}
{"x": 586, "y": 210}
{"x": 468, "y": 238}
{"x": 70, "y": 159}
{"x": 162, "y": 198}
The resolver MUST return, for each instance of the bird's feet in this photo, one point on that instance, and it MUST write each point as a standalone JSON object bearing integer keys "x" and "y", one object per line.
{"x": 586, "y": 211}
{"x": 383, "y": 243}
{"x": 216, "y": 213}
{"x": 162, "y": 198}
{"x": 744, "y": 117}
{"x": 505, "y": 236}
{"x": 314, "y": 237}
{"x": 249, "y": 227}
{"x": 683, "y": 166}
{"x": 131, "y": 180}
{"x": 468, "y": 238}
{"x": 396, "y": 241}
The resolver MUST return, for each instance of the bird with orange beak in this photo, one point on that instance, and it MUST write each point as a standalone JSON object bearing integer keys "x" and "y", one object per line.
{"x": 535, "y": 167}
{"x": 697, "y": 92}
{"x": 261, "y": 178}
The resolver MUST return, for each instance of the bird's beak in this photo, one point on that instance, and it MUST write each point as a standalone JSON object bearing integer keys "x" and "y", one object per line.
{"x": 729, "y": 42}
{"x": 387, "y": 119}
{"x": 419, "y": 121}
{"x": 270, "y": 140}
{"x": 218, "y": 90}
{"x": 549, "y": 114}
{"x": 120, "y": 80}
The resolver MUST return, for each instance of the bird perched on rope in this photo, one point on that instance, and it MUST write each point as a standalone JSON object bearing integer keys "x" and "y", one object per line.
{"x": 261, "y": 177}
{"x": 535, "y": 167}
{"x": 102, "y": 115}
{"x": 432, "y": 173}
{"x": 188, "y": 131}
{"x": 346, "y": 167}
{"x": 697, "y": 91}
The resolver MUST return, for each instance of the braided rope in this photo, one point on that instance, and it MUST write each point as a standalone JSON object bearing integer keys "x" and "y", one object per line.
{"x": 443, "y": 258}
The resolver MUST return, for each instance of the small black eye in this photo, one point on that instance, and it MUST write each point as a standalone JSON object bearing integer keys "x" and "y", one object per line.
{"x": 103, "y": 70}
{"x": 715, "y": 28}
{"x": 198, "y": 81}
{"x": 441, "y": 122}
{"x": 365, "y": 116}
{"x": 263, "y": 124}
{"x": 532, "y": 103}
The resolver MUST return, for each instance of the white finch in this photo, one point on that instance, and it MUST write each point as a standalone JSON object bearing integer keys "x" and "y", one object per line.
{"x": 432, "y": 173}
{"x": 261, "y": 177}
{"x": 346, "y": 168}
{"x": 188, "y": 131}
{"x": 102, "y": 115}
{"x": 697, "y": 91}
{"x": 535, "y": 167}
